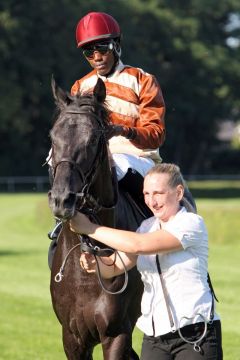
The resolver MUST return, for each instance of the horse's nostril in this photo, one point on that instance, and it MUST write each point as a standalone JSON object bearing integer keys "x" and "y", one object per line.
{"x": 70, "y": 201}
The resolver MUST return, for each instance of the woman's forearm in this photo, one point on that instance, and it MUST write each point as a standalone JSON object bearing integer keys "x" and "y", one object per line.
{"x": 114, "y": 238}
{"x": 126, "y": 241}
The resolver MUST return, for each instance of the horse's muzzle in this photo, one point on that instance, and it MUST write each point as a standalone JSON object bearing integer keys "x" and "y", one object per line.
{"x": 63, "y": 205}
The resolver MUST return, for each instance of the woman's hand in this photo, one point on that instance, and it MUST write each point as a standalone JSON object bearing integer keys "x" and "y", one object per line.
{"x": 81, "y": 224}
{"x": 88, "y": 263}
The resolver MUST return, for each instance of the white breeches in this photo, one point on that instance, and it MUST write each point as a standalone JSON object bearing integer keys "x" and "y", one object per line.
{"x": 125, "y": 161}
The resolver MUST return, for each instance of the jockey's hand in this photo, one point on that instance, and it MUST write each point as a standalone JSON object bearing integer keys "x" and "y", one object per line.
{"x": 88, "y": 263}
{"x": 121, "y": 130}
{"x": 114, "y": 130}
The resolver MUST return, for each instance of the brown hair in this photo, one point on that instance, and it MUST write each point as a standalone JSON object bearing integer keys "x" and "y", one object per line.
{"x": 175, "y": 176}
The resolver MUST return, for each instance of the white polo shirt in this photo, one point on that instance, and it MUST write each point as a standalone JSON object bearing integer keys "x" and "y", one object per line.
{"x": 184, "y": 273}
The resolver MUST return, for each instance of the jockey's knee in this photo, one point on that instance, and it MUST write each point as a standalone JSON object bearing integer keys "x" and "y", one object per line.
{"x": 125, "y": 163}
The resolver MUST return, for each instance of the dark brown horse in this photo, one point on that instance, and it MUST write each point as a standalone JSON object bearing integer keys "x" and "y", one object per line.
{"x": 83, "y": 181}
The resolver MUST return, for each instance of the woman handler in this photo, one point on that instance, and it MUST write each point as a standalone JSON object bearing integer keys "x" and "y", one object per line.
{"x": 170, "y": 250}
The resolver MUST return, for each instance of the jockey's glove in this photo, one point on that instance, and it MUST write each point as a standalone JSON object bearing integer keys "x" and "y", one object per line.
{"x": 121, "y": 130}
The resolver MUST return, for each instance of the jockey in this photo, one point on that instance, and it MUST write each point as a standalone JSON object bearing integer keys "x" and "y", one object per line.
{"x": 134, "y": 99}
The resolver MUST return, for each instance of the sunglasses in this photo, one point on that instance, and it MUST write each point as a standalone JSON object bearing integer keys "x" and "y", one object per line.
{"x": 101, "y": 48}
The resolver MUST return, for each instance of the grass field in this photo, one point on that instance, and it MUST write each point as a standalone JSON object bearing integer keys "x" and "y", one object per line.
{"x": 29, "y": 329}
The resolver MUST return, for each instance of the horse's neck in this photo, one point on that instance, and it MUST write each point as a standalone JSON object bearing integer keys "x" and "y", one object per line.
{"x": 103, "y": 189}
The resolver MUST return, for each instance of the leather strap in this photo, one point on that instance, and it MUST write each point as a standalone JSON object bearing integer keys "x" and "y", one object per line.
{"x": 165, "y": 293}
{"x": 87, "y": 246}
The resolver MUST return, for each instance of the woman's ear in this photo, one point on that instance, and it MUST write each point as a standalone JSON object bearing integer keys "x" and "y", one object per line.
{"x": 180, "y": 192}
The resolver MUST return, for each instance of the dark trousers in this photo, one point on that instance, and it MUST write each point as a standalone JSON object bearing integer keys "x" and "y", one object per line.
{"x": 171, "y": 346}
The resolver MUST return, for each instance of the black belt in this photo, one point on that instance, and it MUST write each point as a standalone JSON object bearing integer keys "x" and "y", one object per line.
{"x": 188, "y": 331}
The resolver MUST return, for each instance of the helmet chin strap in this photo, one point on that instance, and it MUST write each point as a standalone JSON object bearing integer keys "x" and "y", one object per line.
{"x": 117, "y": 51}
{"x": 117, "y": 48}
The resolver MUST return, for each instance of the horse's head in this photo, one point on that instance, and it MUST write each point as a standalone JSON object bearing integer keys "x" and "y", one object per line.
{"x": 78, "y": 148}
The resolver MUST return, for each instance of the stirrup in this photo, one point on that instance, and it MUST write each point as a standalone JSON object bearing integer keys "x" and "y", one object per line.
{"x": 52, "y": 235}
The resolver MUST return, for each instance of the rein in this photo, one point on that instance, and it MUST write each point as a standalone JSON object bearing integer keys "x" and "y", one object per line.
{"x": 86, "y": 245}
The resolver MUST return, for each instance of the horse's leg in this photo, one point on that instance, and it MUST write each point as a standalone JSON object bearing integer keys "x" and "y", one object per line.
{"x": 117, "y": 348}
{"x": 74, "y": 349}
{"x": 117, "y": 340}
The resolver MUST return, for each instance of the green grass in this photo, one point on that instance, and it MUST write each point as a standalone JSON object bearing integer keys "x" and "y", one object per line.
{"x": 29, "y": 329}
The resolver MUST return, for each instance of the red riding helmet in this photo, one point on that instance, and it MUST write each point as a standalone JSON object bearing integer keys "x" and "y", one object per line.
{"x": 96, "y": 26}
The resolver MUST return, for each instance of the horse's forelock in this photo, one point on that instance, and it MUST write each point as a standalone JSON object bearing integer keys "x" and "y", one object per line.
{"x": 79, "y": 101}
{"x": 98, "y": 108}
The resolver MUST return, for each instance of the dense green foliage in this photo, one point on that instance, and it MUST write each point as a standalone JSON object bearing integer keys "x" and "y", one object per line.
{"x": 28, "y": 326}
{"x": 190, "y": 47}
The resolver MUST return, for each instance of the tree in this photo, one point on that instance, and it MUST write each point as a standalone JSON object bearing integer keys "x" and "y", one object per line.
{"x": 186, "y": 45}
{"x": 34, "y": 45}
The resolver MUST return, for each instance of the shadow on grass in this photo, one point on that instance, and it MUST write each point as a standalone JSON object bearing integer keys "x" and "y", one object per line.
{"x": 15, "y": 252}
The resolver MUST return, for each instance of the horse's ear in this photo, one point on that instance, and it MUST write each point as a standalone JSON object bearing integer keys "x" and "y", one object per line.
{"x": 61, "y": 97}
{"x": 99, "y": 91}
